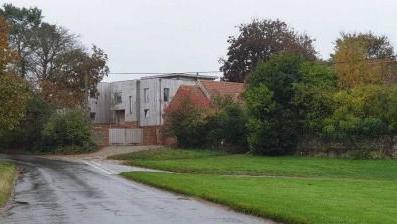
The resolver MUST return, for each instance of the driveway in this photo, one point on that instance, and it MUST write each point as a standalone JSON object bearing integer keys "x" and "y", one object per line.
{"x": 55, "y": 191}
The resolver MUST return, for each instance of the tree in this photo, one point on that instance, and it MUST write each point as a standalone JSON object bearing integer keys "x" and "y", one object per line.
{"x": 27, "y": 134}
{"x": 274, "y": 123}
{"x": 52, "y": 58}
{"x": 51, "y": 42}
{"x": 23, "y": 23}
{"x": 314, "y": 95}
{"x": 13, "y": 90}
{"x": 74, "y": 70}
{"x": 6, "y": 55}
{"x": 257, "y": 42}
{"x": 363, "y": 58}
{"x": 14, "y": 94}
{"x": 288, "y": 98}
{"x": 362, "y": 112}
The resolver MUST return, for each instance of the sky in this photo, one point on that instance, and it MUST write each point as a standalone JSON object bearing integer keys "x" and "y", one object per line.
{"x": 144, "y": 36}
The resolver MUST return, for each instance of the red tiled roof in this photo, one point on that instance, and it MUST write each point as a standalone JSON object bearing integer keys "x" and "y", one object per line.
{"x": 199, "y": 97}
{"x": 193, "y": 93}
{"x": 215, "y": 88}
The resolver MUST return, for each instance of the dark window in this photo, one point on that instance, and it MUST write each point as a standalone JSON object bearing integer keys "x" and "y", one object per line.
{"x": 166, "y": 94}
{"x": 92, "y": 116}
{"x": 146, "y": 95}
{"x": 130, "y": 104}
{"x": 146, "y": 111}
{"x": 117, "y": 98}
{"x": 93, "y": 94}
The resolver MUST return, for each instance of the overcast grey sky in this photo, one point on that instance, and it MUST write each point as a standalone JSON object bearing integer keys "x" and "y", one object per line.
{"x": 187, "y": 35}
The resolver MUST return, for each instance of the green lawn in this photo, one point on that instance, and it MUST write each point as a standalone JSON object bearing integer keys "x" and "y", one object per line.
{"x": 7, "y": 176}
{"x": 292, "y": 189}
{"x": 187, "y": 161}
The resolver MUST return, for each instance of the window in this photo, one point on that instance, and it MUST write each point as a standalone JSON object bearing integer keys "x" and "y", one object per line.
{"x": 146, "y": 111}
{"x": 117, "y": 98}
{"x": 146, "y": 95}
{"x": 93, "y": 94}
{"x": 166, "y": 94}
{"x": 130, "y": 99}
{"x": 92, "y": 116}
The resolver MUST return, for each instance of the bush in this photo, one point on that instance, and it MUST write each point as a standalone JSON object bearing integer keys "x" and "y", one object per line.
{"x": 27, "y": 135}
{"x": 362, "y": 112}
{"x": 275, "y": 120}
{"x": 228, "y": 128}
{"x": 221, "y": 126}
{"x": 67, "y": 129}
{"x": 188, "y": 124}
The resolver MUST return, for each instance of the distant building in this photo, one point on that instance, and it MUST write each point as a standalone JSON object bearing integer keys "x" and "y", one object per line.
{"x": 137, "y": 104}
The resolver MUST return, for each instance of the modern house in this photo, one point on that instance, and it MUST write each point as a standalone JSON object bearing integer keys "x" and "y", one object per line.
{"x": 132, "y": 111}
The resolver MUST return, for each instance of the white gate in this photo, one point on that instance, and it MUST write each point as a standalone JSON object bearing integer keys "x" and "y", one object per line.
{"x": 125, "y": 136}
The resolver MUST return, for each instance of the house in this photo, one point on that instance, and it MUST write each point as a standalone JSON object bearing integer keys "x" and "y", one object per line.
{"x": 132, "y": 111}
{"x": 204, "y": 92}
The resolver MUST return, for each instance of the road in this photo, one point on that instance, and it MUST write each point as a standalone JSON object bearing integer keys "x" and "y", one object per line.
{"x": 63, "y": 192}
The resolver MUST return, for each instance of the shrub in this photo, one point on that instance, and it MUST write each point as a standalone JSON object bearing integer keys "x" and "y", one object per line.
{"x": 67, "y": 129}
{"x": 221, "y": 126}
{"x": 228, "y": 128}
{"x": 362, "y": 112}
{"x": 187, "y": 123}
{"x": 14, "y": 95}
{"x": 275, "y": 121}
{"x": 27, "y": 134}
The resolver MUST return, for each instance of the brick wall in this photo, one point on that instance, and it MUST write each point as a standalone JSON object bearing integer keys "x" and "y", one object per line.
{"x": 133, "y": 124}
{"x": 100, "y": 134}
{"x": 151, "y": 135}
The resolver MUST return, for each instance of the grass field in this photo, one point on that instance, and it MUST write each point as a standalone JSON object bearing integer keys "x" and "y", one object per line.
{"x": 188, "y": 161}
{"x": 7, "y": 176}
{"x": 292, "y": 189}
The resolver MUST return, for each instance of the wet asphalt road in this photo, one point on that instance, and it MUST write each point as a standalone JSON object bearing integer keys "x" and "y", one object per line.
{"x": 60, "y": 192}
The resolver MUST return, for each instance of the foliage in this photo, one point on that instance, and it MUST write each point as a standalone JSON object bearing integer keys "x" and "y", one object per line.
{"x": 23, "y": 22}
{"x": 67, "y": 129}
{"x": 187, "y": 123}
{"x": 27, "y": 134}
{"x": 314, "y": 95}
{"x": 363, "y": 58}
{"x": 228, "y": 128}
{"x": 64, "y": 87}
{"x": 258, "y": 41}
{"x": 53, "y": 58}
{"x": 14, "y": 92}
{"x": 6, "y": 55}
{"x": 50, "y": 43}
{"x": 223, "y": 125}
{"x": 274, "y": 122}
{"x": 287, "y": 95}
{"x": 363, "y": 112}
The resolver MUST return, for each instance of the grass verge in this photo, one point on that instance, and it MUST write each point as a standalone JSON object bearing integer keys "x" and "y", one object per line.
{"x": 7, "y": 177}
{"x": 210, "y": 162}
{"x": 290, "y": 200}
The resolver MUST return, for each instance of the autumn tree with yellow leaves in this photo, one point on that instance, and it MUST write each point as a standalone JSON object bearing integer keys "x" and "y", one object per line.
{"x": 14, "y": 92}
{"x": 363, "y": 58}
